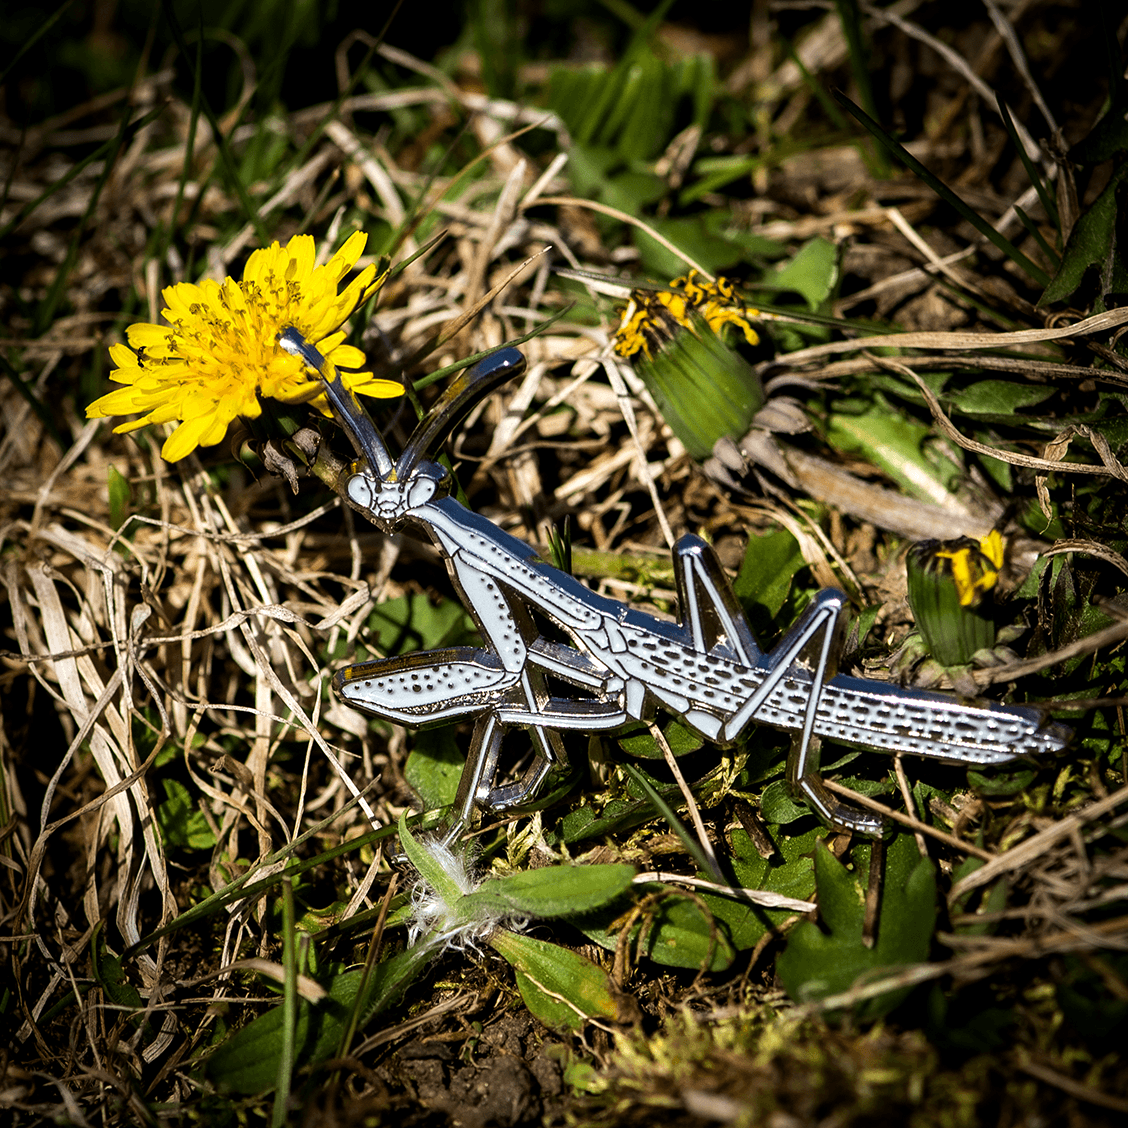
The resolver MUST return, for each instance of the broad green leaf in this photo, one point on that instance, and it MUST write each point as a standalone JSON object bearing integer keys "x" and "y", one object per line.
{"x": 589, "y": 166}
{"x": 434, "y": 766}
{"x": 696, "y": 236}
{"x": 560, "y": 987}
{"x": 887, "y": 439}
{"x": 777, "y": 805}
{"x": 183, "y": 825}
{"x": 812, "y": 273}
{"x": 248, "y": 1061}
{"x": 1001, "y": 398}
{"x": 632, "y": 191}
{"x": 791, "y": 874}
{"x": 818, "y": 963}
{"x": 640, "y": 743}
{"x": 1092, "y": 244}
{"x": 677, "y": 934}
{"x": 552, "y": 891}
{"x": 771, "y": 561}
{"x": 413, "y": 622}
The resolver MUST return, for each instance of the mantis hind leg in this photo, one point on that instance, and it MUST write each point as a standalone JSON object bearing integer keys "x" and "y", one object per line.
{"x": 808, "y": 657}
{"x": 814, "y": 643}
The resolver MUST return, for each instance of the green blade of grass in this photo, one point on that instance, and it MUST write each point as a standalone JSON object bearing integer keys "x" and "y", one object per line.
{"x": 1031, "y": 169}
{"x": 850, "y": 17}
{"x": 222, "y": 145}
{"x": 289, "y": 1008}
{"x": 99, "y": 154}
{"x": 944, "y": 192}
{"x": 692, "y": 846}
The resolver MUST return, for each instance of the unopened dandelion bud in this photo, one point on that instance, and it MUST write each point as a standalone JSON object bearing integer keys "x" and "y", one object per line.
{"x": 675, "y": 339}
{"x": 950, "y": 586}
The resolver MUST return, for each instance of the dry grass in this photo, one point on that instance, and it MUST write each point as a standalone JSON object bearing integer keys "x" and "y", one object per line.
{"x": 183, "y": 656}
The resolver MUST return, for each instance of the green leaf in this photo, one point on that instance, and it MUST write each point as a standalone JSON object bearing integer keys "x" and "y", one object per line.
{"x": 884, "y": 437}
{"x": 121, "y": 493}
{"x": 771, "y": 561}
{"x": 1000, "y": 398}
{"x": 638, "y": 742}
{"x": 697, "y": 235}
{"x": 413, "y": 622}
{"x": 1092, "y": 244}
{"x": 183, "y": 825}
{"x": 110, "y": 975}
{"x": 431, "y": 864}
{"x": 777, "y": 805}
{"x": 1000, "y": 782}
{"x": 819, "y": 963}
{"x": 677, "y": 934}
{"x": 812, "y": 273}
{"x": 791, "y": 873}
{"x": 434, "y": 766}
{"x": 552, "y": 891}
{"x": 248, "y": 1061}
{"x": 561, "y": 988}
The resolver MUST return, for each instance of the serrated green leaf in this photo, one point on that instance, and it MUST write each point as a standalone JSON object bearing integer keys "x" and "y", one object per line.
{"x": 560, "y": 987}
{"x": 816, "y": 964}
{"x": 887, "y": 439}
{"x": 552, "y": 891}
{"x": 182, "y": 824}
{"x": 791, "y": 874}
{"x": 1092, "y": 244}
{"x": 1002, "y": 398}
{"x": 812, "y": 273}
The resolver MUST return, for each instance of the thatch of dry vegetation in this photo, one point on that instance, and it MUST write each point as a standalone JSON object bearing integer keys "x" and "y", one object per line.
{"x": 197, "y": 834}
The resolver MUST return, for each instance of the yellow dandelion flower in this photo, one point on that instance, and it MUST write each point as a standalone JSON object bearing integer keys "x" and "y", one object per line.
{"x": 221, "y": 353}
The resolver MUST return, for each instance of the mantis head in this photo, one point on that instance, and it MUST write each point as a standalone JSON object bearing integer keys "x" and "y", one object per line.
{"x": 385, "y": 490}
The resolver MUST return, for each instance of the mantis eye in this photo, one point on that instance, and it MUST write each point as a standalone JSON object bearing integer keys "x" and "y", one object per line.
{"x": 362, "y": 490}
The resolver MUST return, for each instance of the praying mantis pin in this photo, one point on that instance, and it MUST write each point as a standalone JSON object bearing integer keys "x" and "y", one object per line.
{"x": 621, "y": 664}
